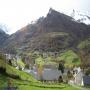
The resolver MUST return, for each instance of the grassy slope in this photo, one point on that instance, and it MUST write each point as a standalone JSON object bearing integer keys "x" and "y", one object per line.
{"x": 24, "y": 85}
{"x": 27, "y": 82}
{"x": 38, "y": 88}
{"x": 84, "y": 44}
{"x": 70, "y": 58}
{"x": 3, "y": 79}
{"x": 12, "y": 71}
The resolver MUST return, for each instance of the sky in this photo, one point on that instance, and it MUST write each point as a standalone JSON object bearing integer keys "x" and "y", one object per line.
{"x": 15, "y": 14}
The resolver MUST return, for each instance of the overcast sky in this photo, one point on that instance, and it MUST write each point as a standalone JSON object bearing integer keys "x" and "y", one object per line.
{"x": 18, "y": 13}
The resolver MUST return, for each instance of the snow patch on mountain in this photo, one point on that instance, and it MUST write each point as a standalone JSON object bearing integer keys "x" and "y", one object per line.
{"x": 81, "y": 17}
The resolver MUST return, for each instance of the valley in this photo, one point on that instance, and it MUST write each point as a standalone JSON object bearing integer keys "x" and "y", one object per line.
{"x": 51, "y": 53}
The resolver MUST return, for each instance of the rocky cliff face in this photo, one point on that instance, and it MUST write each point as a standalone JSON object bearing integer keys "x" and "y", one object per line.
{"x": 3, "y": 37}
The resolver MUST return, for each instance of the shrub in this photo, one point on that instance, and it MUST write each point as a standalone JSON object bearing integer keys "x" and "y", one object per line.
{"x": 87, "y": 72}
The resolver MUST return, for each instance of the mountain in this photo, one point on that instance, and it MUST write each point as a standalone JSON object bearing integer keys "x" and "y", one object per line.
{"x": 3, "y": 37}
{"x": 55, "y": 32}
{"x": 81, "y": 17}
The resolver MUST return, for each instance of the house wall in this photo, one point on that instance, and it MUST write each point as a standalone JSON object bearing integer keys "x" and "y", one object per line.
{"x": 51, "y": 74}
{"x": 79, "y": 78}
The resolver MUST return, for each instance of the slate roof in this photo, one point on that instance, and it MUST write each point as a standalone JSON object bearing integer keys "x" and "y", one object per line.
{"x": 86, "y": 80}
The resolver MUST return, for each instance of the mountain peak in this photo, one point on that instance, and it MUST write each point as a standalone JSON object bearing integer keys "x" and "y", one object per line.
{"x": 52, "y": 11}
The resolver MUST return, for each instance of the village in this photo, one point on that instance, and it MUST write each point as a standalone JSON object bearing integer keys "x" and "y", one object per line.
{"x": 50, "y": 73}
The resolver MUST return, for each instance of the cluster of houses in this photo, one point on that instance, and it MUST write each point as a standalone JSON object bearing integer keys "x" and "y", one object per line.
{"x": 48, "y": 53}
{"x": 51, "y": 73}
{"x": 10, "y": 58}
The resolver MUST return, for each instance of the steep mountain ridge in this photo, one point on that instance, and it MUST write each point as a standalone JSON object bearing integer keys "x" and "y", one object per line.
{"x": 54, "y": 32}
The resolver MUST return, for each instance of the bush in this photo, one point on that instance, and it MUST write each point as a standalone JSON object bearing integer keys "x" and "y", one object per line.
{"x": 87, "y": 72}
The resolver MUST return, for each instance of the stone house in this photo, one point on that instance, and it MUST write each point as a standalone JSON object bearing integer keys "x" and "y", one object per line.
{"x": 80, "y": 78}
{"x": 51, "y": 73}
